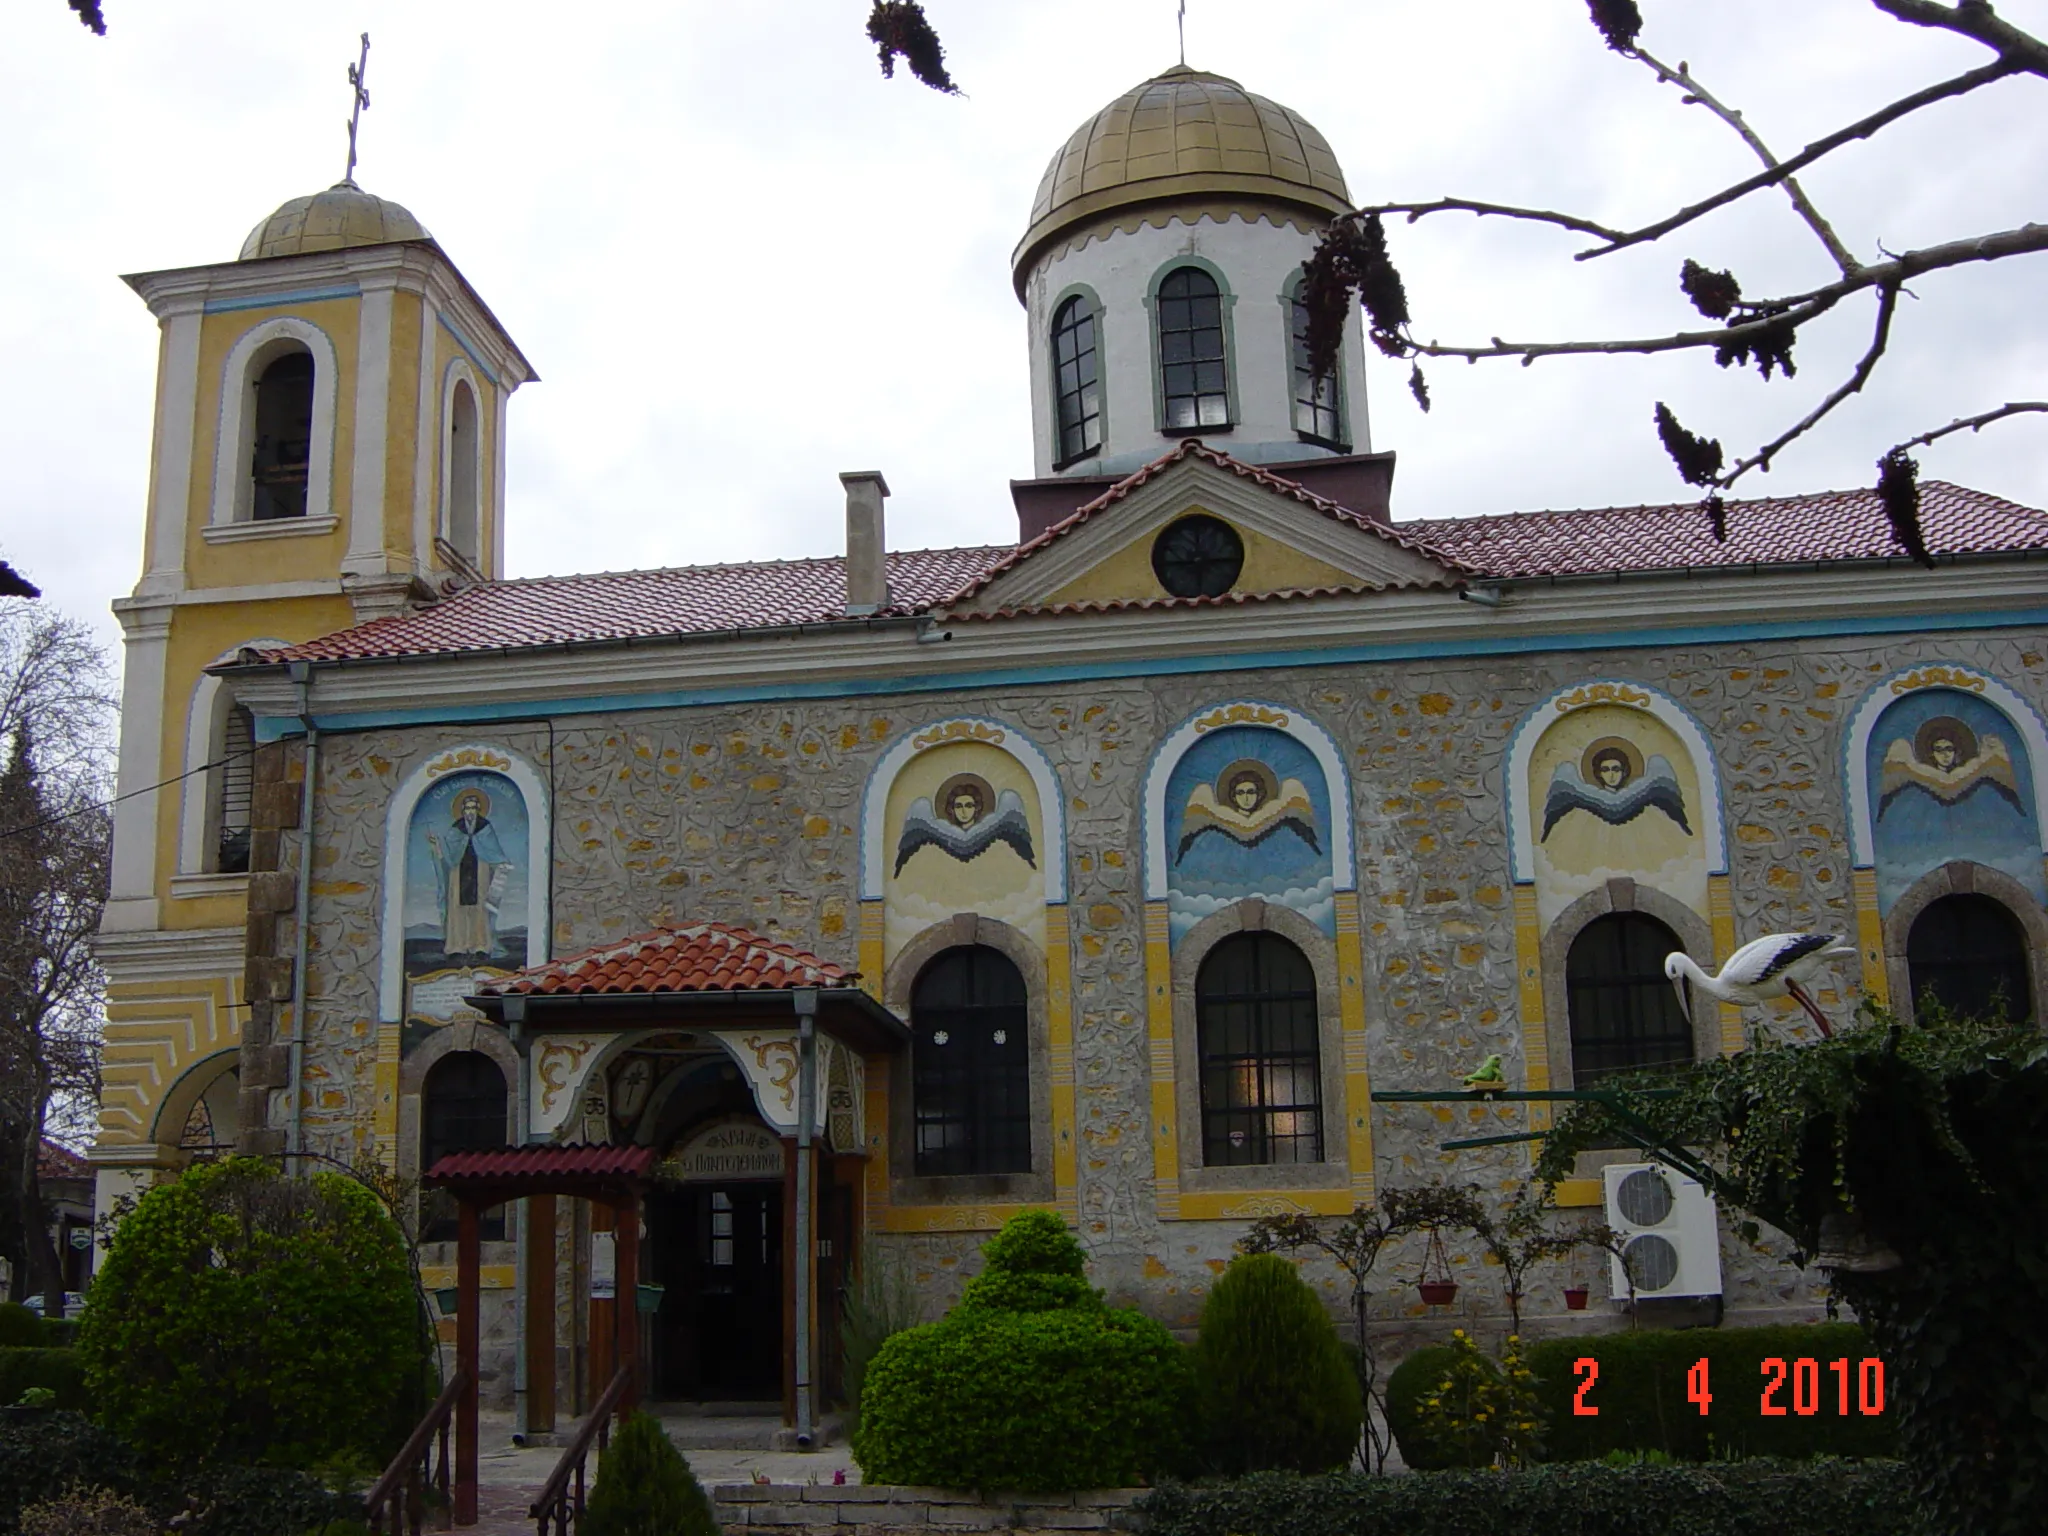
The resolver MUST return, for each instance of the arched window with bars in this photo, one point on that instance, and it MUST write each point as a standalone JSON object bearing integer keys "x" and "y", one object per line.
{"x": 1260, "y": 1051}
{"x": 462, "y": 1109}
{"x": 235, "y": 783}
{"x": 1318, "y": 416}
{"x": 1194, "y": 380}
{"x": 1624, "y": 1013}
{"x": 1077, "y": 388}
{"x": 1970, "y": 953}
{"x": 970, "y": 1064}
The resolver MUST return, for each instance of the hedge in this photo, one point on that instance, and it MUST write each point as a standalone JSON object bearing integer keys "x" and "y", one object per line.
{"x": 46, "y": 1453}
{"x": 1815, "y": 1498}
{"x": 57, "y": 1369}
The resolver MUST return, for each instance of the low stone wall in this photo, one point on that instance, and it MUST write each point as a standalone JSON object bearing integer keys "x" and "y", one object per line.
{"x": 809, "y": 1509}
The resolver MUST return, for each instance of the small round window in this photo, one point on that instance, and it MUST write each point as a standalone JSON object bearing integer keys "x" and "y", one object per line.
{"x": 1197, "y": 556}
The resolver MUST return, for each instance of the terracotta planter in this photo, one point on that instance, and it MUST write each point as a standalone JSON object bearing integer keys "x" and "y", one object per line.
{"x": 1439, "y": 1293}
{"x": 1575, "y": 1297}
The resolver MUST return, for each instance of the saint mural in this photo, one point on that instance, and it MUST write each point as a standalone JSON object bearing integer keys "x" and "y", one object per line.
{"x": 465, "y": 887}
{"x": 1614, "y": 781}
{"x": 1247, "y": 814}
{"x": 1949, "y": 779}
{"x": 964, "y": 820}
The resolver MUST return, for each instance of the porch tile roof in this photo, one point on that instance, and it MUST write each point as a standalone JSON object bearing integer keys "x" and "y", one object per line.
{"x": 571, "y": 1160}
{"x": 695, "y": 957}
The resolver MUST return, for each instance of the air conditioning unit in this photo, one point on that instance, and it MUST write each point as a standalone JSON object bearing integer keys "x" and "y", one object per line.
{"x": 1667, "y": 1229}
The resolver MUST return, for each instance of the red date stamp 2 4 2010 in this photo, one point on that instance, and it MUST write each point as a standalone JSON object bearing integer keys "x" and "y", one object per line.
{"x": 1804, "y": 1374}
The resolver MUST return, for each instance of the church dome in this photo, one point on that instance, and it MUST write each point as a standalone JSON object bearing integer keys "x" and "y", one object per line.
{"x": 342, "y": 216}
{"x": 1182, "y": 134}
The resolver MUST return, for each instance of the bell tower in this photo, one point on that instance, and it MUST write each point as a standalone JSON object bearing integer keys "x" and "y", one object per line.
{"x": 329, "y": 447}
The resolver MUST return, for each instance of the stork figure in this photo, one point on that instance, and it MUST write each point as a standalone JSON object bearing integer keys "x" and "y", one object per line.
{"x": 1776, "y": 965}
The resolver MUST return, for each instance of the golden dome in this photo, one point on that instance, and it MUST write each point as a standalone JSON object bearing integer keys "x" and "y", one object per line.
{"x": 1182, "y": 134}
{"x": 342, "y": 216}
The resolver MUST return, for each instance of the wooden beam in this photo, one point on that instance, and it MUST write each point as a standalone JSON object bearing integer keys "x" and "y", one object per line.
{"x": 468, "y": 1332}
{"x": 539, "y": 1226}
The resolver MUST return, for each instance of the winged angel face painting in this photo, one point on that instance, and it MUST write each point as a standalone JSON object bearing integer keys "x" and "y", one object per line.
{"x": 964, "y": 836}
{"x": 1248, "y": 814}
{"x": 1616, "y": 795}
{"x": 1949, "y": 779}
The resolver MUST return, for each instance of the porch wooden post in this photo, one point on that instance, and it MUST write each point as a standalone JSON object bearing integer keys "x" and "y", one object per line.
{"x": 540, "y": 1312}
{"x": 602, "y": 1318}
{"x": 629, "y": 1298}
{"x": 468, "y": 1274}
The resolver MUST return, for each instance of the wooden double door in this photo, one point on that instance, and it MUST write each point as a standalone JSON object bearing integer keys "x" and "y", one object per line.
{"x": 717, "y": 1250}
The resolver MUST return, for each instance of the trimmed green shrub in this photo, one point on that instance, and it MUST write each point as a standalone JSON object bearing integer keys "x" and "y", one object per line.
{"x": 1277, "y": 1390}
{"x": 245, "y": 1317}
{"x": 1814, "y": 1498}
{"x": 1412, "y": 1381}
{"x": 19, "y": 1327}
{"x": 1030, "y": 1384}
{"x": 645, "y": 1487}
{"x": 58, "y": 1333}
{"x": 85, "y": 1511}
{"x": 56, "y": 1369}
{"x": 1641, "y": 1393}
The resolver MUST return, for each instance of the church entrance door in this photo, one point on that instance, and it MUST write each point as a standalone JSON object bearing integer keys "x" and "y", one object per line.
{"x": 718, "y": 1250}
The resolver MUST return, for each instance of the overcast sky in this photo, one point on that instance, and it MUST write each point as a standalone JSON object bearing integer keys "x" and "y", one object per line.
{"x": 742, "y": 262}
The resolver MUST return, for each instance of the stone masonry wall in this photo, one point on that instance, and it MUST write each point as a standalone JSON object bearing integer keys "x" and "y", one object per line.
{"x": 804, "y": 1509}
{"x": 748, "y": 814}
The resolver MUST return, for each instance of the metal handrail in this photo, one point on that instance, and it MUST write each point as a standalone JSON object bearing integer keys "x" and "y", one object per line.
{"x": 555, "y": 1505}
{"x": 412, "y": 1470}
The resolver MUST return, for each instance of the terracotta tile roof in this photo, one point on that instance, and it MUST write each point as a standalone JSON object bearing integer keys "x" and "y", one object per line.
{"x": 698, "y": 957}
{"x": 1826, "y": 525}
{"x": 631, "y": 605}
{"x": 571, "y": 1160}
{"x": 59, "y": 1162}
{"x": 1195, "y": 448}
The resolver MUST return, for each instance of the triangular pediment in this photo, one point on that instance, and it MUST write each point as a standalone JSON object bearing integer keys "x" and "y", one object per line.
{"x": 1293, "y": 542}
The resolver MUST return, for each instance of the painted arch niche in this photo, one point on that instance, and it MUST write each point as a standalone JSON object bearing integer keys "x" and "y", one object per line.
{"x": 957, "y": 821}
{"x": 1948, "y": 775}
{"x": 1610, "y": 787}
{"x": 1239, "y": 805}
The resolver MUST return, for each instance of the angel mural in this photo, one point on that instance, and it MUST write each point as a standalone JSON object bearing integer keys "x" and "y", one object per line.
{"x": 1614, "y": 781}
{"x": 1247, "y": 814}
{"x": 1949, "y": 779}
{"x": 964, "y": 820}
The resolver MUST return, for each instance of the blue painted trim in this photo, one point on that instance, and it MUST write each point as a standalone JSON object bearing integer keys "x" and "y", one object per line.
{"x": 273, "y": 727}
{"x": 462, "y": 341}
{"x": 278, "y": 300}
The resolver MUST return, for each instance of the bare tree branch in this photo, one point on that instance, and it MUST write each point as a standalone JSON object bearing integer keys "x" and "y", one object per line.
{"x": 1974, "y": 19}
{"x": 1782, "y": 170}
{"x": 1887, "y": 304}
{"x": 1416, "y": 211}
{"x": 1975, "y": 423}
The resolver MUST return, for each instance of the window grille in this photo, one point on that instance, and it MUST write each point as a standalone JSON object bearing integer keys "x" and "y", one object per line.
{"x": 462, "y": 1109}
{"x": 1261, "y": 1053}
{"x": 1624, "y": 1013}
{"x": 970, "y": 1065}
{"x": 1194, "y": 388}
{"x": 1970, "y": 952}
{"x": 1075, "y": 381}
{"x": 237, "y": 772}
{"x": 1315, "y": 399}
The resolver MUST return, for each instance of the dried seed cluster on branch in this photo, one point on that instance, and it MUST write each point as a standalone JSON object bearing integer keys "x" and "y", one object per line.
{"x": 1353, "y": 258}
{"x": 898, "y": 28}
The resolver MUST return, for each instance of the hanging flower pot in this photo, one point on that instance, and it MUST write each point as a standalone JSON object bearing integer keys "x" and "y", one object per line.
{"x": 1439, "y": 1293}
{"x": 1575, "y": 1297}
{"x": 1437, "y": 1286}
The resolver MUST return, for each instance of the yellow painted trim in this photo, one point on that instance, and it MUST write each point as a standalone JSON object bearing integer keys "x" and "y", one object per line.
{"x": 876, "y": 1175}
{"x": 1242, "y": 1204}
{"x": 1721, "y": 918}
{"x": 872, "y": 960}
{"x": 953, "y": 1218}
{"x": 1159, "y": 1034}
{"x": 390, "y": 1047}
{"x": 1870, "y": 936}
{"x": 1580, "y": 1192}
{"x": 1059, "y": 1019}
{"x": 156, "y": 1033}
{"x": 1357, "y": 1073}
{"x": 490, "y": 1277}
{"x": 1535, "y": 1027}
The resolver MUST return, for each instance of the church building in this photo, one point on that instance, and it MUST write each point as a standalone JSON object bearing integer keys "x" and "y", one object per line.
{"x": 872, "y": 897}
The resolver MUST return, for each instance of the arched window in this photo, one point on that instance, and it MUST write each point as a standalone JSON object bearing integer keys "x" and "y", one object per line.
{"x": 1971, "y": 953}
{"x": 234, "y": 781}
{"x": 970, "y": 1064}
{"x": 1194, "y": 390}
{"x": 465, "y": 527}
{"x": 283, "y": 440}
{"x": 1076, "y": 389}
{"x": 462, "y": 1109}
{"x": 1315, "y": 399}
{"x": 1624, "y": 1013}
{"x": 1261, "y": 1055}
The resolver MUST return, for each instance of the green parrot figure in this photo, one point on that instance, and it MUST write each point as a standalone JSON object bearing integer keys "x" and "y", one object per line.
{"x": 1489, "y": 1075}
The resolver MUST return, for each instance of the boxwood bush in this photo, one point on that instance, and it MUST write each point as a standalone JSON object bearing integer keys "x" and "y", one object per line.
{"x": 57, "y": 1369}
{"x": 1641, "y": 1392}
{"x": 1815, "y": 1498}
{"x": 1031, "y": 1384}
{"x": 19, "y": 1327}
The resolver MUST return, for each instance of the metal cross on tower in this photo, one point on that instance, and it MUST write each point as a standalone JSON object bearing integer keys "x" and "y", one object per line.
{"x": 1181, "y": 21}
{"x": 356, "y": 72}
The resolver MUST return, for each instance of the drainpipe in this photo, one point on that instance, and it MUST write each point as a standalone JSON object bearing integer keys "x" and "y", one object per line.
{"x": 806, "y": 999}
{"x": 302, "y": 674}
{"x": 515, "y": 1027}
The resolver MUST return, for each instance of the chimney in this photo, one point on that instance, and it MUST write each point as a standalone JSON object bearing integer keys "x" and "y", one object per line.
{"x": 867, "y": 571}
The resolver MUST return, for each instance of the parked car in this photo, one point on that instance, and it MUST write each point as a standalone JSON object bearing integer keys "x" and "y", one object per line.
{"x": 74, "y": 1303}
